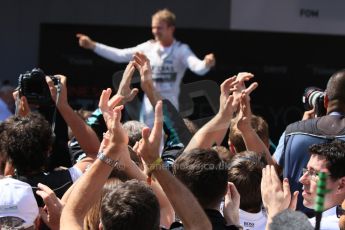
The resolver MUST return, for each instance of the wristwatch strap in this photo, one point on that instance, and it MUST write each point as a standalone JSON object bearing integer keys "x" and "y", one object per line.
{"x": 112, "y": 163}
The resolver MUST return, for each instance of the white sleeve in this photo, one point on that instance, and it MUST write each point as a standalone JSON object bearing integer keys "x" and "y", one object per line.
{"x": 75, "y": 173}
{"x": 118, "y": 55}
{"x": 193, "y": 62}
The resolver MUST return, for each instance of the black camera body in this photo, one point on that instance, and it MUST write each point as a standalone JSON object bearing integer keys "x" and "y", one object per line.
{"x": 34, "y": 87}
{"x": 313, "y": 97}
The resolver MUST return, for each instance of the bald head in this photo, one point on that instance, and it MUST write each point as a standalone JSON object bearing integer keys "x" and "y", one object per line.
{"x": 336, "y": 87}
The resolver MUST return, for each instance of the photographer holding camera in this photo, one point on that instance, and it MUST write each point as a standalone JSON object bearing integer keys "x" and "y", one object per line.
{"x": 48, "y": 95}
{"x": 33, "y": 94}
{"x": 292, "y": 151}
{"x": 27, "y": 140}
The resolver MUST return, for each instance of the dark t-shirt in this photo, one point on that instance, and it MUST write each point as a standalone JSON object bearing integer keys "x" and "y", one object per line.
{"x": 216, "y": 218}
{"x": 218, "y": 221}
{"x": 59, "y": 181}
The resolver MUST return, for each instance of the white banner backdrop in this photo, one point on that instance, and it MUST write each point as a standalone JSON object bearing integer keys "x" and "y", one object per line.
{"x": 301, "y": 16}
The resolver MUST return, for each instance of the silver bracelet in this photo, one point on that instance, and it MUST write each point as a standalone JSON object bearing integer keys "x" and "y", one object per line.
{"x": 112, "y": 163}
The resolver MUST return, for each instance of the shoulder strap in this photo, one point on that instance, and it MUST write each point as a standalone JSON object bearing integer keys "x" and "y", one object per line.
{"x": 306, "y": 126}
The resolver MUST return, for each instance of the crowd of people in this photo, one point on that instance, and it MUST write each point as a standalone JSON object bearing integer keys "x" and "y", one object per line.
{"x": 163, "y": 172}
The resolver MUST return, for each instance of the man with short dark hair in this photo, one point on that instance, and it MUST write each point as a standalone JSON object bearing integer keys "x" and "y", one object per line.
{"x": 120, "y": 207}
{"x": 205, "y": 174}
{"x": 328, "y": 158}
{"x": 26, "y": 143}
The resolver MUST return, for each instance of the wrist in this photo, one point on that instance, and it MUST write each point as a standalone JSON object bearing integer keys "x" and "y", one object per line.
{"x": 122, "y": 102}
{"x": 115, "y": 150}
{"x": 155, "y": 165}
{"x": 147, "y": 85}
{"x": 232, "y": 219}
{"x": 107, "y": 160}
{"x": 92, "y": 45}
{"x": 244, "y": 128}
{"x": 223, "y": 118}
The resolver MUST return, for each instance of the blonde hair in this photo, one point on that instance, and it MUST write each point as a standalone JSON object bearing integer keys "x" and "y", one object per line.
{"x": 166, "y": 16}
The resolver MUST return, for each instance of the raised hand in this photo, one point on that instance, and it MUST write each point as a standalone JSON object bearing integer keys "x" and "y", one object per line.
{"x": 240, "y": 86}
{"x": 51, "y": 212}
{"x": 232, "y": 205}
{"x": 149, "y": 144}
{"x": 245, "y": 114}
{"x": 308, "y": 114}
{"x": 115, "y": 141}
{"x": 142, "y": 63}
{"x": 107, "y": 106}
{"x": 117, "y": 134}
{"x": 226, "y": 106}
{"x": 276, "y": 196}
{"x": 124, "y": 87}
{"x": 62, "y": 100}
{"x": 85, "y": 41}
{"x": 242, "y": 77}
{"x": 210, "y": 60}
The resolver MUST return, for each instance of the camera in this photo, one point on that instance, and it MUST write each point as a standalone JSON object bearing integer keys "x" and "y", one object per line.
{"x": 313, "y": 98}
{"x": 34, "y": 87}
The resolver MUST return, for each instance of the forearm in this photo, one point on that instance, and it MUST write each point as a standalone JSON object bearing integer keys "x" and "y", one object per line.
{"x": 114, "y": 54}
{"x": 84, "y": 195}
{"x": 183, "y": 201}
{"x": 254, "y": 143}
{"x": 211, "y": 133}
{"x": 70, "y": 222}
{"x": 196, "y": 65}
{"x": 66, "y": 195}
{"x": 88, "y": 190}
{"x": 85, "y": 135}
{"x": 167, "y": 213}
{"x": 152, "y": 94}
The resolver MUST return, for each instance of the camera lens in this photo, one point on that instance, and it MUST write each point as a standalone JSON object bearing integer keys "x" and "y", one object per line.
{"x": 310, "y": 97}
{"x": 314, "y": 97}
